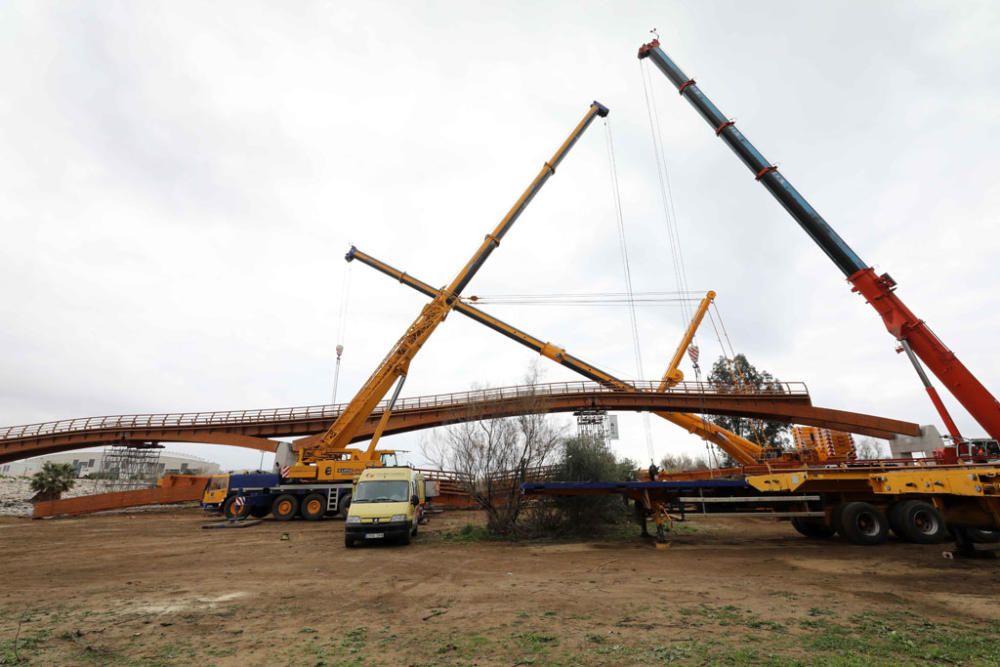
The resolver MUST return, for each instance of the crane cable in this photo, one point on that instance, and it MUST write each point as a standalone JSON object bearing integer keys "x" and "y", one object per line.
{"x": 345, "y": 293}
{"x": 669, "y": 211}
{"x": 623, "y": 247}
{"x": 666, "y": 195}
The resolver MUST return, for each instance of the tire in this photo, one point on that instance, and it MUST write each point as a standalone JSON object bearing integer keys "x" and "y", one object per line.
{"x": 349, "y": 542}
{"x": 285, "y": 507}
{"x": 814, "y": 528}
{"x": 313, "y": 507}
{"x": 344, "y": 505}
{"x": 260, "y": 512}
{"x": 919, "y": 522}
{"x": 981, "y": 536}
{"x": 236, "y": 507}
{"x": 895, "y": 520}
{"x": 863, "y": 524}
{"x": 405, "y": 539}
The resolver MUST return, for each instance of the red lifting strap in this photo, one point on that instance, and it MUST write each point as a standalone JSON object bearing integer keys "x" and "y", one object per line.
{"x": 723, "y": 126}
{"x": 689, "y": 82}
{"x": 765, "y": 171}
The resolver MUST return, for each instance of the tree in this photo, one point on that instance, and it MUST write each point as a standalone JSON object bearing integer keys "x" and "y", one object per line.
{"x": 738, "y": 373}
{"x": 590, "y": 459}
{"x": 52, "y": 481}
{"x": 494, "y": 456}
{"x": 868, "y": 448}
{"x": 682, "y": 462}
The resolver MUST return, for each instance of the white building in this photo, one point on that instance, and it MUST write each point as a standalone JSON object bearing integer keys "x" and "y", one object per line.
{"x": 86, "y": 462}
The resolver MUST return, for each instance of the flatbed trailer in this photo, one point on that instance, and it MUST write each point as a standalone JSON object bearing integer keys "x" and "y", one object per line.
{"x": 923, "y": 504}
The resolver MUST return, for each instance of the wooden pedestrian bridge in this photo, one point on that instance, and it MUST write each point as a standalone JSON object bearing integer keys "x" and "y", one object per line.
{"x": 256, "y": 429}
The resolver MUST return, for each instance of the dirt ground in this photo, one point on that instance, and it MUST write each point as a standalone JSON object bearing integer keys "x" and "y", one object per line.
{"x": 157, "y": 589}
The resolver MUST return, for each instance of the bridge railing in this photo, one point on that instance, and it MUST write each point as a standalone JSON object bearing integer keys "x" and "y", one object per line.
{"x": 330, "y": 412}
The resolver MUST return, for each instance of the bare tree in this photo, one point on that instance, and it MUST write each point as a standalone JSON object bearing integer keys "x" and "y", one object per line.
{"x": 868, "y": 448}
{"x": 495, "y": 455}
{"x": 682, "y": 462}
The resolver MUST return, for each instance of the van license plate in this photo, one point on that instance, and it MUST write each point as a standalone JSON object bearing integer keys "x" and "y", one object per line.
{"x": 374, "y": 536}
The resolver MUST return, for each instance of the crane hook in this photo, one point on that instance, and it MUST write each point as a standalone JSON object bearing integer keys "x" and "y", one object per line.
{"x": 655, "y": 34}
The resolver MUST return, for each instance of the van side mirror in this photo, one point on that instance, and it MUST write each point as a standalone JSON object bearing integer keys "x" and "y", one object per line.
{"x": 414, "y": 499}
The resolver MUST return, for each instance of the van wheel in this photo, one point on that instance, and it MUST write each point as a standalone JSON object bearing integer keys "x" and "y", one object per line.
{"x": 920, "y": 522}
{"x": 349, "y": 542}
{"x": 313, "y": 507}
{"x": 863, "y": 523}
{"x": 284, "y": 507}
{"x": 344, "y": 505}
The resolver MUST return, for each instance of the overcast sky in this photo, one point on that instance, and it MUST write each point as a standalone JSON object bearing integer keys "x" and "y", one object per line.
{"x": 180, "y": 181}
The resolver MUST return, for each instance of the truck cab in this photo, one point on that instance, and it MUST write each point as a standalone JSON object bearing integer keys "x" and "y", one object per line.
{"x": 387, "y": 505}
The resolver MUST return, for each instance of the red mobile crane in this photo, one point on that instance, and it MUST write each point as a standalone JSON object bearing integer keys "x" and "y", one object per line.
{"x": 913, "y": 334}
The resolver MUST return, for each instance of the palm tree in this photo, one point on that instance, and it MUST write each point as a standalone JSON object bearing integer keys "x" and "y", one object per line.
{"x": 52, "y": 481}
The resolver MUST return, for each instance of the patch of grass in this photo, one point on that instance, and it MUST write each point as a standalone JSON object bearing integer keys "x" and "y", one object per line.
{"x": 467, "y": 533}
{"x": 354, "y": 640}
{"x": 536, "y": 642}
{"x": 27, "y": 645}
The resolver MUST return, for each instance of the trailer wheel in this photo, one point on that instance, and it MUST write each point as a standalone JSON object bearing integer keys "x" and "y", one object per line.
{"x": 284, "y": 507}
{"x": 981, "y": 536}
{"x": 815, "y": 528}
{"x": 344, "y": 505}
{"x": 895, "y": 519}
{"x": 919, "y": 522}
{"x": 313, "y": 507}
{"x": 235, "y": 507}
{"x": 863, "y": 523}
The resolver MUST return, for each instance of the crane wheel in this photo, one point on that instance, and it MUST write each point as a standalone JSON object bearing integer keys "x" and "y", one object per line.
{"x": 862, "y": 523}
{"x": 918, "y": 521}
{"x": 810, "y": 527}
{"x": 236, "y": 507}
{"x": 285, "y": 507}
{"x": 313, "y": 507}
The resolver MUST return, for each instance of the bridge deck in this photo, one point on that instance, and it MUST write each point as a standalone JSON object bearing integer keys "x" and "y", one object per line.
{"x": 788, "y": 402}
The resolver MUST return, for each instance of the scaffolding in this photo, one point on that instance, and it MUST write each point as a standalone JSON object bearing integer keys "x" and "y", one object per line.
{"x": 130, "y": 465}
{"x": 591, "y": 423}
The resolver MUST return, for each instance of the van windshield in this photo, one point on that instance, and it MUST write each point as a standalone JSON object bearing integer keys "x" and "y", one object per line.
{"x": 382, "y": 491}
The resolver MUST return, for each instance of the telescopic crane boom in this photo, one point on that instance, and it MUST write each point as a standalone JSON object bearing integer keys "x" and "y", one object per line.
{"x": 394, "y": 367}
{"x": 740, "y": 449}
{"x": 912, "y": 332}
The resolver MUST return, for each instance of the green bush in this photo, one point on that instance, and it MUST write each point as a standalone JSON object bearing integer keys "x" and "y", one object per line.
{"x": 586, "y": 459}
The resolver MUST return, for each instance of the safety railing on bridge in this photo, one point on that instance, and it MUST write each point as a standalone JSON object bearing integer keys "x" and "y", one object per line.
{"x": 226, "y": 418}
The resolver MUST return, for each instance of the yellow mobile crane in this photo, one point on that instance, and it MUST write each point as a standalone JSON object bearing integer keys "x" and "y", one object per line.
{"x": 740, "y": 449}
{"x": 329, "y": 458}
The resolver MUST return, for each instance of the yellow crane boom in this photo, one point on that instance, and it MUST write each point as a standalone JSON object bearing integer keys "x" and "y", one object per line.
{"x": 740, "y": 449}
{"x": 395, "y": 365}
